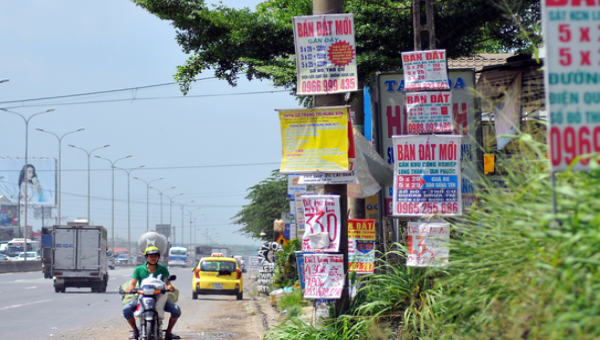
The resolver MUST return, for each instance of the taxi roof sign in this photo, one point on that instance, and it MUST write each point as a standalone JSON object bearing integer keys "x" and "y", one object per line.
{"x": 216, "y": 255}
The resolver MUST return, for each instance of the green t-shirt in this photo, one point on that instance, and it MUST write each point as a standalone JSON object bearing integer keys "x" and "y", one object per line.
{"x": 142, "y": 272}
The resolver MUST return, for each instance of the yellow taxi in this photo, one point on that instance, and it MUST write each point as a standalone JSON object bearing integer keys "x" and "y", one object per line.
{"x": 217, "y": 275}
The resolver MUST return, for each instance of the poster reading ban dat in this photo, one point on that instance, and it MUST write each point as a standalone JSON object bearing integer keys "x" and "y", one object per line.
{"x": 429, "y": 112}
{"x": 325, "y": 54}
{"x": 428, "y": 244}
{"x": 572, "y": 78}
{"x": 314, "y": 140}
{"x": 427, "y": 177}
{"x": 425, "y": 70}
{"x": 323, "y": 276}
{"x": 322, "y": 223}
{"x": 361, "y": 246}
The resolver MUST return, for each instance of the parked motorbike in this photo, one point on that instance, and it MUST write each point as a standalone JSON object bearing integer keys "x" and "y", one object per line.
{"x": 150, "y": 309}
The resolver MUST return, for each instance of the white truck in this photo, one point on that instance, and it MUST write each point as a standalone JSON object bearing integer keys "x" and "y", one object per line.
{"x": 79, "y": 257}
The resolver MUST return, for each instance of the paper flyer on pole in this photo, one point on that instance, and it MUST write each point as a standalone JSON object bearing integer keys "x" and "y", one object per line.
{"x": 361, "y": 246}
{"x": 427, "y": 176}
{"x": 325, "y": 54}
{"x": 323, "y": 276}
{"x": 322, "y": 223}
{"x": 429, "y": 112}
{"x": 425, "y": 70}
{"x": 571, "y": 74}
{"x": 314, "y": 140}
{"x": 428, "y": 244}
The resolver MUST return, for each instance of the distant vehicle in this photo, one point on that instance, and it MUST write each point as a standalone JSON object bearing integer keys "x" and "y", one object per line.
{"x": 31, "y": 256}
{"x": 15, "y": 246}
{"x": 3, "y": 257}
{"x": 153, "y": 238}
{"x": 111, "y": 262}
{"x": 217, "y": 275}
{"x": 178, "y": 256}
{"x": 122, "y": 259}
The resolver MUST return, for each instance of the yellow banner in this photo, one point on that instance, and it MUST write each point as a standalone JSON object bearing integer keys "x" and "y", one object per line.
{"x": 361, "y": 229}
{"x": 314, "y": 139}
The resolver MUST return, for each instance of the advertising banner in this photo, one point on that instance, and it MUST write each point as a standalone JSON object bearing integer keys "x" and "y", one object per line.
{"x": 300, "y": 266}
{"x": 324, "y": 276}
{"x": 7, "y": 217}
{"x": 328, "y": 178}
{"x": 429, "y": 112}
{"x": 325, "y": 54}
{"x": 322, "y": 223}
{"x": 428, "y": 244}
{"x": 255, "y": 263}
{"x": 361, "y": 246}
{"x": 427, "y": 175}
{"x": 571, "y": 76}
{"x": 393, "y": 121}
{"x": 36, "y": 181}
{"x": 314, "y": 140}
{"x": 425, "y": 70}
{"x": 294, "y": 187}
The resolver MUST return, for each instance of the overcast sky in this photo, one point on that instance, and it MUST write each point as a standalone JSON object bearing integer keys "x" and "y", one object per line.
{"x": 212, "y": 145}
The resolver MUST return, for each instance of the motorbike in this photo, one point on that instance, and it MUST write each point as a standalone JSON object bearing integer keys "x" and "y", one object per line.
{"x": 150, "y": 309}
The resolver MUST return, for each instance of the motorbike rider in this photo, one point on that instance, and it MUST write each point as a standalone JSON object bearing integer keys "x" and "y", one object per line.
{"x": 141, "y": 272}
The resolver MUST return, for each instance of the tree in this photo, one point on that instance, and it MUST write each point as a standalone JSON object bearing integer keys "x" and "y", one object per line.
{"x": 260, "y": 43}
{"x": 268, "y": 199}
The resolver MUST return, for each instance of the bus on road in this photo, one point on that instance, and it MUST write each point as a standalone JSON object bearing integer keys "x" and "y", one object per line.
{"x": 178, "y": 256}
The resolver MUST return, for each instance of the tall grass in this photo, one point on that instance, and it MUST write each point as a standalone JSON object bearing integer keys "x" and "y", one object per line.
{"x": 516, "y": 269}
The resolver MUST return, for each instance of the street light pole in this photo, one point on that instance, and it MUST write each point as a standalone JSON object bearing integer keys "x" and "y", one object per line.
{"x": 89, "y": 218}
{"x": 182, "y": 211}
{"x": 26, "y": 200}
{"x": 160, "y": 192}
{"x": 59, "y": 138}
{"x": 112, "y": 165}
{"x": 128, "y": 171}
{"x": 171, "y": 212}
{"x": 148, "y": 199}
{"x": 191, "y": 221}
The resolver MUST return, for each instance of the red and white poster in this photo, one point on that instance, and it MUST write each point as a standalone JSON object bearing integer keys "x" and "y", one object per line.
{"x": 429, "y": 112}
{"x": 322, "y": 223}
{"x": 425, "y": 70}
{"x": 325, "y": 54}
{"x": 428, "y": 244}
{"x": 572, "y": 75}
{"x": 323, "y": 276}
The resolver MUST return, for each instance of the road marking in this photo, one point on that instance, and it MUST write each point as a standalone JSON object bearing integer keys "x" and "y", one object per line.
{"x": 32, "y": 287}
{"x": 23, "y": 305}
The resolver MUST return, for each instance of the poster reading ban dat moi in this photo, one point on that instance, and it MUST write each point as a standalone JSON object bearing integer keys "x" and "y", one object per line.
{"x": 427, "y": 177}
{"x": 425, "y": 70}
{"x": 323, "y": 276}
{"x": 325, "y": 54}
{"x": 322, "y": 223}
{"x": 429, "y": 112}
{"x": 572, "y": 78}
{"x": 314, "y": 140}
{"x": 428, "y": 244}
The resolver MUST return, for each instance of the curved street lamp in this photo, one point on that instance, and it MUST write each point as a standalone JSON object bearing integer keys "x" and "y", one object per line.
{"x": 112, "y": 165}
{"x": 128, "y": 171}
{"x": 171, "y": 212}
{"x": 148, "y": 199}
{"x": 182, "y": 211}
{"x": 160, "y": 192}
{"x": 26, "y": 120}
{"x": 89, "y": 153}
{"x": 59, "y": 138}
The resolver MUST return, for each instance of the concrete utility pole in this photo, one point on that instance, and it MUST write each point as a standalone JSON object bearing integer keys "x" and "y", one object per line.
{"x": 423, "y": 25}
{"x": 332, "y": 7}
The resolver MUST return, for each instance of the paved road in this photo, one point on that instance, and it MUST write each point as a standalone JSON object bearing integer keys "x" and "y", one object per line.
{"x": 30, "y": 309}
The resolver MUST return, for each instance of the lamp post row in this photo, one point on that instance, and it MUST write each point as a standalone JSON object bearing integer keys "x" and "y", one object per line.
{"x": 88, "y": 153}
